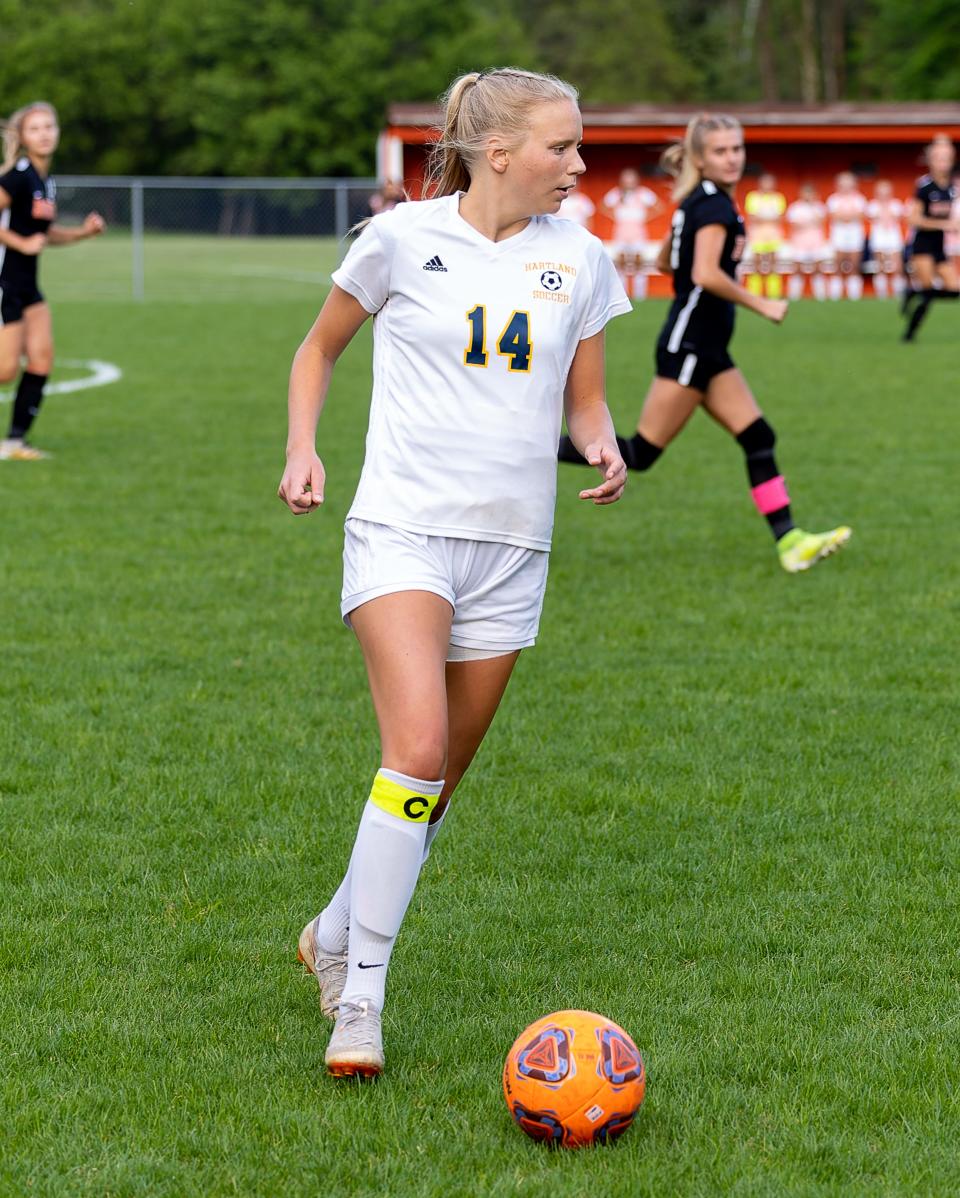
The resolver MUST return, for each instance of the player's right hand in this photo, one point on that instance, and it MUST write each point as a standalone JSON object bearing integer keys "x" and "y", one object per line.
{"x": 32, "y": 245}
{"x": 774, "y": 310}
{"x": 301, "y": 487}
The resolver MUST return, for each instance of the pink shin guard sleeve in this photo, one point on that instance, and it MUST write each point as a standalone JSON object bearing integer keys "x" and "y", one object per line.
{"x": 771, "y": 496}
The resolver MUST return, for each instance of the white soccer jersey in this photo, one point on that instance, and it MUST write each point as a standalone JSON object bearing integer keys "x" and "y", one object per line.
{"x": 630, "y": 210}
{"x": 577, "y": 207}
{"x": 473, "y": 340}
{"x": 847, "y": 208}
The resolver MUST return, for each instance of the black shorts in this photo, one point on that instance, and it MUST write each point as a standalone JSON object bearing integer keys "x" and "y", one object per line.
{"x": 690, "y": 368}
{"x": 929, "y": 243}
{"x": 14, "y": 297}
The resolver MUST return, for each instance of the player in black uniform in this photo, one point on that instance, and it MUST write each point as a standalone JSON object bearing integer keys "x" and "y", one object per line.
{"x": 693, "y": 366}
{"x": 27, "y": 211}
{"x": 933, "y": 274}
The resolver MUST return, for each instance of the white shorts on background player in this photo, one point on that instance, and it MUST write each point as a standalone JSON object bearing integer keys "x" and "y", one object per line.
{"x": 636, "y": 245}
{"x": 495, "y": 590}
{"x": 473, "y": 340}
{"x": 886, "y": 241}
{"x": 847, "y": 239}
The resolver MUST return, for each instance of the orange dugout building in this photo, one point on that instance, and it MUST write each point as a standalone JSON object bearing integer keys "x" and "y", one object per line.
{"x": 795, "y": 143}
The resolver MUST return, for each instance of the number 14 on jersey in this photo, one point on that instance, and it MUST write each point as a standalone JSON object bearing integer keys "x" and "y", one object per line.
{"x": 514, "y": 342}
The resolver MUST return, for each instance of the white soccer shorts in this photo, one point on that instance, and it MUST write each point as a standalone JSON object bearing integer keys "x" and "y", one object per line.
{"x": 847, "y": 240}
{"x": 496, "y": 590}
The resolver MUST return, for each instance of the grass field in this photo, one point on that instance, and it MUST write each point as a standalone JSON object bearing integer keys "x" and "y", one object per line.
{"x": 720, "y": 804}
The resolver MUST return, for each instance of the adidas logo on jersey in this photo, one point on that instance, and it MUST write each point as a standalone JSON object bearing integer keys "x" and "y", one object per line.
{"x": 435, "y": 264}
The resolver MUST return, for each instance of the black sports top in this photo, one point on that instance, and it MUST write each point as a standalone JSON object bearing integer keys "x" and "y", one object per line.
{"x": 697, "y": 316}
{"x": 33, "y": 209}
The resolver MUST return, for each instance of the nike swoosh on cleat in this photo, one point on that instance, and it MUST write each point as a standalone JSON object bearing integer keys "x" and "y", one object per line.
{"x": 377, "y": 965}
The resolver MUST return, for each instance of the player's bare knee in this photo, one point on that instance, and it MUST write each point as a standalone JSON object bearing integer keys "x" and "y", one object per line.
{"x": 419, "y": 754}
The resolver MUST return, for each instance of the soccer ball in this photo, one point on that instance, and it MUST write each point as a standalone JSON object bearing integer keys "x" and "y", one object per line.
{"x": 574, "y": 1078}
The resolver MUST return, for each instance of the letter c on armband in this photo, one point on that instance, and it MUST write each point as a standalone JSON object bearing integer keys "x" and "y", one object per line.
{"x": 416, "y": 807}
{"x": 401, "y": 802}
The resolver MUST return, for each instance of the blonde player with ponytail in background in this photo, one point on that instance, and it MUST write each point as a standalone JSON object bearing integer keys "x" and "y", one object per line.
{"x": 488, "y": 326}
{"x": 27, "y": 211}
{"x": 694, "y": 367}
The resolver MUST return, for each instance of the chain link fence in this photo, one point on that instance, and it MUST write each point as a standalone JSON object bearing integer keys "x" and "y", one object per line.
{"x": 207, "y": 231}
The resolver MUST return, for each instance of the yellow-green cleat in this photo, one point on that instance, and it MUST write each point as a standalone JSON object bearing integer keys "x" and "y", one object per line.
{"x": 800, "y": 550}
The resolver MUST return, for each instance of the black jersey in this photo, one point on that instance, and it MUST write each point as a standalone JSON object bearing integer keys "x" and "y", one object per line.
{"x": 937, "y": 203}
{"x": 698, "y": 321}
{"x": 32, "y": 210}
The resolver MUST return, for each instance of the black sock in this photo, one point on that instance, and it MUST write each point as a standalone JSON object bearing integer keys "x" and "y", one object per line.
{"x": 757, "y": 441}
{"x": 26, "y": 404}
{"x": 568, "y": 452}
{"x": 638, "y": 452}
{"x": 917, "y": 316}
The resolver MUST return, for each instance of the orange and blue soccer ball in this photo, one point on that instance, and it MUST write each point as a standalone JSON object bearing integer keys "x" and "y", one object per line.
{"x": 574, "y": 1078}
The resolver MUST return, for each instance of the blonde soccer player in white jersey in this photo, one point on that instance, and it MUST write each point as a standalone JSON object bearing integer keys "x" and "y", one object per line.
{"x": 488, "y": 317}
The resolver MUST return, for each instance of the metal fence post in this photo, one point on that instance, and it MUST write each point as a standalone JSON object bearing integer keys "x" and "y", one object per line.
{"x": 136, "y": 235}
{"x": 340, "y": 210}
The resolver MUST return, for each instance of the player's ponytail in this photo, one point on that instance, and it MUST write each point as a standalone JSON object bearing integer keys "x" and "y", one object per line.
{"x": 678, "y": 159}
{"x": 12, "y": 128}
{"x": 474, "y": 107}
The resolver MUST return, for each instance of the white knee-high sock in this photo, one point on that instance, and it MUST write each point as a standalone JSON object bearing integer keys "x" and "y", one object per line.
{"x": 818, "y": 285}
{"x": 880, "y": 289}
{"x": 854, "y": 286}
{"x": 640, "y": 286}
{"x": 384, "y": 868}
{"x": 432, "y": 830}
{"x": 836, "y": 287}
{"x": 334, "y": 920}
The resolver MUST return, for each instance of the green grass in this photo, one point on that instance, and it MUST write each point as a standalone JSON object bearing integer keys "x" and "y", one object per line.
{"x": 719, "y": 803}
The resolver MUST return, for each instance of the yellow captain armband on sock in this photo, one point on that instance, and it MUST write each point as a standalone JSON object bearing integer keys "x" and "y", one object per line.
{"x": 402, "y": 801}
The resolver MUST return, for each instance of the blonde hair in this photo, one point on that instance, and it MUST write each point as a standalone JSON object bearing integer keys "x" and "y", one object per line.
{"x": 12, "y": 131}
{"x": 677, "y": 160}
{"x": 478, "y": 104}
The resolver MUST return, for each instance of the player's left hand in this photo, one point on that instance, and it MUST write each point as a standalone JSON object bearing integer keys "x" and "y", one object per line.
{"x": 606, "y": 457}
{"x": 93, "y": 224}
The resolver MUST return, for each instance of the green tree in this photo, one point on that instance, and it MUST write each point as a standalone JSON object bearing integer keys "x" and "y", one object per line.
{"x": 286, "y": 87}
{"x": 908, "y": 51}
{"x": 301, "y": 87}
{"x": 614, "y": 51}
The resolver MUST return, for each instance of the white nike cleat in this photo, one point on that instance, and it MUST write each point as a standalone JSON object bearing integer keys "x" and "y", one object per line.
{"x": 356, "y": 1046}
{"x": 330, "y": 969}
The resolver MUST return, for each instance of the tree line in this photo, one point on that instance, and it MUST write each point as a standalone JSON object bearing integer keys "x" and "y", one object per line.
{"x": 301, "y": 87}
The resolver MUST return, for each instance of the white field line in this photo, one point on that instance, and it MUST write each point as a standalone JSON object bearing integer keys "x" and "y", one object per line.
{"x": 101, "y": 374}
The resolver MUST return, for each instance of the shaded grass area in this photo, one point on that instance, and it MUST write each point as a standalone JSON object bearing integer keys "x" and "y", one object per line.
{"x": 719, "y": 804}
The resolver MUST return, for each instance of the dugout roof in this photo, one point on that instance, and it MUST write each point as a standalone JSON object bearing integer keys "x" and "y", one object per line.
{"x": 794, "y": 142}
